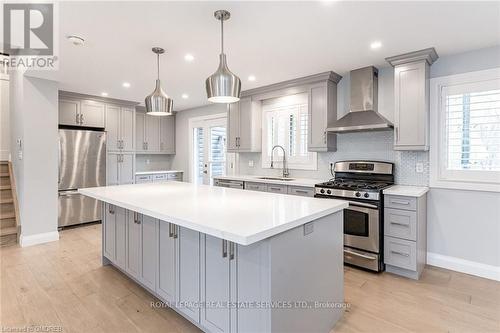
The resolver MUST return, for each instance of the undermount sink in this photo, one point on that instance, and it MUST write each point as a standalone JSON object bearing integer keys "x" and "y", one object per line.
{"x": 276, "y": 178}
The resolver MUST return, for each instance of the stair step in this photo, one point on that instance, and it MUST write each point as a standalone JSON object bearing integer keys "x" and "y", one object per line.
{"x": 5, "y": 187}
{"x": 8, "y": 231}
{"x": 7, "y": 215}
{"x": 4, "y": 174}
{"x": 6, "y": 200}
{"x": 6, "y": 223}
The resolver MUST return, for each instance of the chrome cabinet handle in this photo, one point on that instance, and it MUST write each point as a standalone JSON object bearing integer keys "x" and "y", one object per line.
{"x": 231, "y": 250}
{"x": 400, "y": 202}
{"x": 397, "y": 133}
{"x": 403, "y": 224}
{"x": 224, "y": 248}
{"x": 301, "y": 191}
{"x": 170, "y": 230}
{"x": 81, "y": 118}
{"x": 176, "y": 231}
{"x": 324, "y": 137}
{"x": 275, "y": 188}
{"x": 400, "y": 253}
{"x": 77, "y": 120}
{"x": 111, "y": 209}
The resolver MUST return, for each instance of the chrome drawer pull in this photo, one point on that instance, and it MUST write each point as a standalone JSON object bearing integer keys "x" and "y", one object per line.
{"x": 275, "y": 188}
{"x": 403, "y": 224}
{"x": 301, "y": 191}
{"x": 400, "y": 253}
{"x": 224, "y": 248}
{"x": 231, "y": 250}
{"x": 400, "y": 202}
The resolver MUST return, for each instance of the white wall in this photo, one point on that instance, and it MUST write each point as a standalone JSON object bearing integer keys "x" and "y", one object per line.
{"x": 465, "y": 224}
{"x": 4, "y": 118}
{"x": 34, "y": 120}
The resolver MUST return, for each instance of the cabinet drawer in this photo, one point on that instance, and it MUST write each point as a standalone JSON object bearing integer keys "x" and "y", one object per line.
{"x": 255, "y": 187}
{"x": 400, "y": 223}
{"x": 276, "y": 188}
{"x": 159, "y": 177}
{"x": 400, "y": 253}
{"x": 174, "y": 176}
{"x": 300, "y": 190}
{"x": 400, "y": 202}
{"x": 143, "y": 179}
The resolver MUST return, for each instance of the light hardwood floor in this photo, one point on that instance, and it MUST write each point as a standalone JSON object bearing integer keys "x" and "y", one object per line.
{"x": 63, "y": 284}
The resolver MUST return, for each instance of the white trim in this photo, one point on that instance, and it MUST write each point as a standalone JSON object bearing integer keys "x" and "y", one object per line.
{"x": 464, "y": 266}
{"x": 437, "y": 179}
{"x": 45, "y": 237}
{"x": 191, "y": 122}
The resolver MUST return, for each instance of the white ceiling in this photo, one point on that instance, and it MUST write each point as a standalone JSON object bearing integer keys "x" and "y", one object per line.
{"x": 274, "y": 41}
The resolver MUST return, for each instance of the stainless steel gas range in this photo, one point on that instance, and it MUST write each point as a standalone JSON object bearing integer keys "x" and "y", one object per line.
{"x": 361, "y": 183}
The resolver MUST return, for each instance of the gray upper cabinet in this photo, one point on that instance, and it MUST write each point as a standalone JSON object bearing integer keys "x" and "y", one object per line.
{"x": 244, "y": 133}
{"x": 81, "y": 112}
{"x": 322, "y": 107}
{"x": 154, "y": 134}
{"x": 411, "y": 93}
{"x": 120, "y": 168}
{"x": 120, "y": 128}
{"x": 167, "y": 134}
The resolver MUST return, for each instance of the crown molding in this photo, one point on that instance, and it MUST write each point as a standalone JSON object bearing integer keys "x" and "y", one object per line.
{"x": 430, "y": 55}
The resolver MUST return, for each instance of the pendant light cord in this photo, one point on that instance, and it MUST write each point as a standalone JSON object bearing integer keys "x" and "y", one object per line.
{"x": 158, "y": 64}
{"x": 222, "y": 36}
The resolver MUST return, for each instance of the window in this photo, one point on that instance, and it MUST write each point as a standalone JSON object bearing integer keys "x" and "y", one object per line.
{"x": 465, "y": 131}
{"x": 285, "y": 123}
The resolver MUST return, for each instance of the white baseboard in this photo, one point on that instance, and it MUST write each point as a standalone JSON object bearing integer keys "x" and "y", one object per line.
{"x": 38, "y": 238}
{"x": 464, "y": 266}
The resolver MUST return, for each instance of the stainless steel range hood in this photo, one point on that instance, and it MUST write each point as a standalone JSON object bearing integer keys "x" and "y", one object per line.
{"x": 363, "y": 112}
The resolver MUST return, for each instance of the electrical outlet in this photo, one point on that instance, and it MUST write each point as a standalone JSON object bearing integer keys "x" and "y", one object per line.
{"x": 250, "y": 163}
{"x": 308, "y": 228}
{"x": 419, "y": 167}
{"x": 148, "y": 161}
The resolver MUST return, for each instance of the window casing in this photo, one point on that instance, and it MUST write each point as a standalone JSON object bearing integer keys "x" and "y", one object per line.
{"x": 465, "y": 131}
{"x": 285, "y": 123}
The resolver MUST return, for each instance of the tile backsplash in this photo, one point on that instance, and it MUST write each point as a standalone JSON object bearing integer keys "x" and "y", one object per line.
{"x": 375, "y": 146}
{"x": 151, "y": 162}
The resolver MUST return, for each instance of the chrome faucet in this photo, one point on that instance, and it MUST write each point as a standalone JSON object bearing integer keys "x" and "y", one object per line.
{"x": 286, "y": 173}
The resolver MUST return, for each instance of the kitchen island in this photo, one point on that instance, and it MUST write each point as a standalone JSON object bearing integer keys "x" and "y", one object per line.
{"x": 229, "y": 260}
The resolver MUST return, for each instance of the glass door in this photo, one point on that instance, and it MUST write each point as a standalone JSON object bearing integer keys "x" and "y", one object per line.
{"x": 209, "y": 150}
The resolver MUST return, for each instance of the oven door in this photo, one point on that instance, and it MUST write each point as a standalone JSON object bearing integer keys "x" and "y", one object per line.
{"x": 361, "y": 226}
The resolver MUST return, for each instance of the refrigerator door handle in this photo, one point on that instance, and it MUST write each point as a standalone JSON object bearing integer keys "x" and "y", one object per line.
{"x": 67, "y": 193}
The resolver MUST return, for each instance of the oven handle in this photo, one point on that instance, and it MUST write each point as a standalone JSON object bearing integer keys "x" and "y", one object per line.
{"x": 360, "y": 255}
{"x": 361, "y": 204}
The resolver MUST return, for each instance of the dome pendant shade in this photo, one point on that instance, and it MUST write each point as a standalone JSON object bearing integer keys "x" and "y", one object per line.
{"x": 158, "y": 103}
{"x": 223, "y": 86}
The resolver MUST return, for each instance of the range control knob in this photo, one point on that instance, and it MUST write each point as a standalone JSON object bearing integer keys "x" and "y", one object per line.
{"x": 322, "y": 191}
{"x": 357, "y": 194}
{"x": 328, "y": 192}
{"x": 366, "y": 195}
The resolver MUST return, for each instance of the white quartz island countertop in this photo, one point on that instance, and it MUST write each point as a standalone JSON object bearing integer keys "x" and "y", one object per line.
{"x": 243, "y": 217}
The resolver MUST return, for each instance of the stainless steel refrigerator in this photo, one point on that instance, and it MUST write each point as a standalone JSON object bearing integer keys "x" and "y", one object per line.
{"x": 82, "y": 163}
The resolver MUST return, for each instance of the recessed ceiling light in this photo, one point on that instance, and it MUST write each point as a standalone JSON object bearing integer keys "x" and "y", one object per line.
{"x": 126, "y": 85}
{"x": 104, "y": 94}
{"x": 251, "y": 78}
{"x": 185, "y": 96}
{"x": 189, "y": 57}
{"x": 76, "y": 40}
{"x": 375, "y": 45}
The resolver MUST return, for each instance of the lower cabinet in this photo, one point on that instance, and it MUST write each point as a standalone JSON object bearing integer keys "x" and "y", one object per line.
{"x": 133, "y": 245}
{"x": 121, "y": 236}
{"x": 167, "y": 259}
{"x": 188, "y": 266}
{"x": 217, "y": 273}
{"x": 149, "y": 253}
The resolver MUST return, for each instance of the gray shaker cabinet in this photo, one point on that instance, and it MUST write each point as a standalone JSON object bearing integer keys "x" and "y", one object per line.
{"x": 149, "y": 232}
{"x": 120, "y": 239}
{"x": 244, "y": 126}
{"x": 217, "y": 274}
{"x": 120, "y": 128}
{"x": 411, "y": 99}
{"x": 322, "y": 109}
{"x": 188, "y": 270}
{"x": 167, "y": 134}
{"x": 109, "y": 232}
{"x": 167, "y": 259}
{"x": 133, "y": 243}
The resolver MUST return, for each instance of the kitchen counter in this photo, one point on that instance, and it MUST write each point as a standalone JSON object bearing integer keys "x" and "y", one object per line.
{"x": 279, "y": 256}
{"x": 243, "y": 217}
{"x": 157, "y": 172}
{"x": 407, "y": 191}
{"x": 305, "y": 182}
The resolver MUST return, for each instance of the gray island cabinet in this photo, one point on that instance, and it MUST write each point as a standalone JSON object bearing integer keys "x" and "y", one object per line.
{"x": 280, "y": 275}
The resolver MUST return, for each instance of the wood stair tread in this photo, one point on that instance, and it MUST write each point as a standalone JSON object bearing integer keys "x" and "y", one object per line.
{"x": 4, "y": 174}
{"x": 6, "y": 200}
{"x": 5, "y": 187}
{"x": 8, "y": 231}
{"x": 8, "y": 215}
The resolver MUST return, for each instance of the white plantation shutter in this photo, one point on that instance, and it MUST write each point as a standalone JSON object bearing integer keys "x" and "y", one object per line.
{"x": 465, "y": 138}
{"x": 285, "y": 123}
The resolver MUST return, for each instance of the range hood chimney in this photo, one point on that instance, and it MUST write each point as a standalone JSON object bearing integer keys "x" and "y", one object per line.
{"x": 363, "y": 111}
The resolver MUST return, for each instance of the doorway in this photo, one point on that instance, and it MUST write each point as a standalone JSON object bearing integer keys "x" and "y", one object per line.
{"x": 208, "y": 148}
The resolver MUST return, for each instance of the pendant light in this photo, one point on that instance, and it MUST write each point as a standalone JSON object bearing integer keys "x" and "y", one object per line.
{"x": 158, "y": 103}
{"x": 223, "y": 86}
